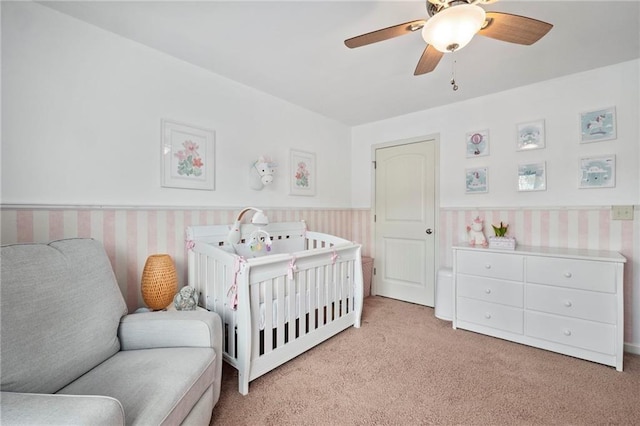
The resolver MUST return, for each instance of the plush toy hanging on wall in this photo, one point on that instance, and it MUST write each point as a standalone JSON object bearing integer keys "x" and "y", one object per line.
{"x": 262, "y": 172}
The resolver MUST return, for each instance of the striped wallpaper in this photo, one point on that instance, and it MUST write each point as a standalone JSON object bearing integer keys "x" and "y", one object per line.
{"x": 131, "y": 234}
{"x": 582, "y": 228}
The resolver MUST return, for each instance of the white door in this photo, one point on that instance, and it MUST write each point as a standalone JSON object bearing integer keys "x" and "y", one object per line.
{"x": 405, "y": 232}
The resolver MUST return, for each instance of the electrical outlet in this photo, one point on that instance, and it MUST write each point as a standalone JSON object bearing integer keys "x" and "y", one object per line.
{"x": 622, "y": 212}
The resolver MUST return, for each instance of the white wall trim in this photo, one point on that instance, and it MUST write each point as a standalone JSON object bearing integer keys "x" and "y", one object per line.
{"x": 466, "y": 208}
{"x": 158, "y": 207}
{"x": 632, "y": 348}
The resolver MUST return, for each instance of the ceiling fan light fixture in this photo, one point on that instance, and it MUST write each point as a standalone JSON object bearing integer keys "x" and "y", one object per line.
{"x": 453, "y": 28}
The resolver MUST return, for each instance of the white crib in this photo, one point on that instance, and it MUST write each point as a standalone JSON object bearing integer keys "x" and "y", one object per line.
{"x": 305, "y": 290}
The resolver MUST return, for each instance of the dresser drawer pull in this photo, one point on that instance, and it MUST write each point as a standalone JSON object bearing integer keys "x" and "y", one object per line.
{"x": 568, "y": 303}
{"x": 567, "y": 332}
{"x": 488, "y": 291}
{"x": 567, "y": 274}
{"x": 487, "y": 315}
{"x": 487, "y": 266}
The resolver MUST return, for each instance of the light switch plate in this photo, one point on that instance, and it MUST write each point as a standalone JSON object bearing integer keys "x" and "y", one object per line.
{"x": 622, "y": 212}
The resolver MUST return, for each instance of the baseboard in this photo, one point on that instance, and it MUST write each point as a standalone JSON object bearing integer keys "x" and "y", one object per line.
{"x": 632, "y": 348}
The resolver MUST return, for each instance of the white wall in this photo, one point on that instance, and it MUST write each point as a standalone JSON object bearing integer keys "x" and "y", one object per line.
{"x": 563, "y": 215}
{"x": 81, "y": 112}
{"x": 559, "y": 102}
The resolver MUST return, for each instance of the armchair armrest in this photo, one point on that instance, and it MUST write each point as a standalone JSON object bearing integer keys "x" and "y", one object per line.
{"x": 40, "y": 409}
{"x": 164, "y": 329}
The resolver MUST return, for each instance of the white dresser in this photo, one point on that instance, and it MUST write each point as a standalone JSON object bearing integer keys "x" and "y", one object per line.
{"x": 564, "y": 300}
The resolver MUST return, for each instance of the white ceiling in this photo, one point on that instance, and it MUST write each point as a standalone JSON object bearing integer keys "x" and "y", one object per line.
{"x": 294, "y": 49}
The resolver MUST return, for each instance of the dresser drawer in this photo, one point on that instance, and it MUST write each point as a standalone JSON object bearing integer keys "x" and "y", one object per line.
{"x": 490, "y": 265}
{"x": 490, "y": 315}
{"x": 586, "y": 305}
{"x": 578, "y": 333}
{"x": 490, "y": 290}
{"x": 581, "y": 274}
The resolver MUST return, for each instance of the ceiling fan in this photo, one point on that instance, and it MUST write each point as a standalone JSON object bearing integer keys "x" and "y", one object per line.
{"x": 452, "y": 24}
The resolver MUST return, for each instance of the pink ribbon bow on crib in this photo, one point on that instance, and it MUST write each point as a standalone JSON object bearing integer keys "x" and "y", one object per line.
{"x": 292, "y": 267}
{"x": 334, "y": 257}
{"x": 233, "y": 290}
{"x": 190, "y": 244}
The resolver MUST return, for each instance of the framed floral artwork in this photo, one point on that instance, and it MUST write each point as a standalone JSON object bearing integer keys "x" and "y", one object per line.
{"x": 532, "y": 177}
{"x": 599, "y": 125}
{"x": 477, "y": 143}
{"x": 476, "y": 180}
{"x": 302, "y": 173}
{"x": 530, "y": 135}
{"x": 188, "y": 156}
{"x": 598, "y": 172}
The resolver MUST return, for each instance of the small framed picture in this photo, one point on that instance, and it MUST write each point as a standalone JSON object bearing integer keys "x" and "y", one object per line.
{"x": 530, "y": 135}
{"x": 597, "y": 126}
{"x": 302, "y": 173}
{"x": 477, "y": 143}
{"x": 188, "y": 156}
{"x": 476, "y": 180}
{"x": 598, "y": 172}
{"x": 532, "y": 177}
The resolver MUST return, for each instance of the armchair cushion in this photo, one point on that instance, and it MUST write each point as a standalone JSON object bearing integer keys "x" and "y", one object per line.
{"x": 157, "y": 385}
{"x": 39, "y": 409}
{"x": 51, "y": 315}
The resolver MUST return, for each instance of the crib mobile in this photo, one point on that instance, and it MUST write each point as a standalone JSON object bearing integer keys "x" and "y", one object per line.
{"x": 259, "y": 238}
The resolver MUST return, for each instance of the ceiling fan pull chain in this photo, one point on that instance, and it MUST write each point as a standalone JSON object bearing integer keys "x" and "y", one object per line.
{"x": 453, "y": 76}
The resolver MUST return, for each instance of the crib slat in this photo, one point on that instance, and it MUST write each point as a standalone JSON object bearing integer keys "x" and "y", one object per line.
{"x": 292, "y": 293}
{"x": 344, "y": 288}
{"x": 280, "y": 311}
{"x": 268, "y": 316}
{"x": 313, "y": 300}
{"x": 255, "y": 318}
{"x": 322, "y": 301}
{"x": 302, "y": 303}
{"x": 329, "y": 293}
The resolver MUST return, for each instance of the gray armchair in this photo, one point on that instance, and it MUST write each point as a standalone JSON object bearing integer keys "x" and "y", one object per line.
{"x": 70, "y": 354}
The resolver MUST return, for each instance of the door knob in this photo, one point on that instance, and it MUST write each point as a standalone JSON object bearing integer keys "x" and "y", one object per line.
{"x": 429, "y": 231}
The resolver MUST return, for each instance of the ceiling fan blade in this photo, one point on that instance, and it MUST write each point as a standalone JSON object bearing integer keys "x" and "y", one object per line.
{"x": 384, "y": 34}
{"x": 428, "y": 61}
{"x": 514, "y": 28}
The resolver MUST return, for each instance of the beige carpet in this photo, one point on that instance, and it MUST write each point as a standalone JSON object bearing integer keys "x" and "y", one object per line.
{"x": 405, "y": 367}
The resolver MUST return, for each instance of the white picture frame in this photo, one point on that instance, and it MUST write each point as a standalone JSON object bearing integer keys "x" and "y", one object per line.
{"x": 303, "y": 174}
{"x": 188, "y": 156}
{"x": 532, "y": 176}
{"x": 598, "y": 125}
{"x": 477, "y": 180}
{"x": 530, "y": 135}
{"x": 477, "y": 143}
{"x": 597, "y": 172}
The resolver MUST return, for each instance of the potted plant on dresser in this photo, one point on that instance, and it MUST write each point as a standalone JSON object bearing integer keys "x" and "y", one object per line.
{"x": 500, "y": 240}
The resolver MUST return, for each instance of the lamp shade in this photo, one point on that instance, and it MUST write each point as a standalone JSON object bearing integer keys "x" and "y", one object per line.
{"x": 159, "y": 281}
{"x": 454, "y": 27}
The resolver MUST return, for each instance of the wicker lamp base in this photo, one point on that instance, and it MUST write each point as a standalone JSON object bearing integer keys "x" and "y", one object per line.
{"x": 159, "y": 281}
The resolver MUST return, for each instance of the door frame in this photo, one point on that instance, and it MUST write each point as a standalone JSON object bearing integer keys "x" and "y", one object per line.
{"x": 435, "y": 137}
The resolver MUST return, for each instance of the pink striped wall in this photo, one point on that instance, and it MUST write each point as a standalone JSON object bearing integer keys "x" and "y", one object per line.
{"x": 582, "y": 228}
{"x": 131, "y": 235}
